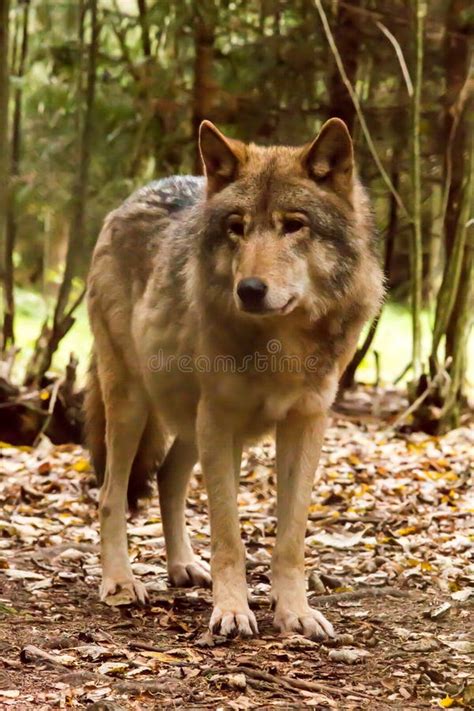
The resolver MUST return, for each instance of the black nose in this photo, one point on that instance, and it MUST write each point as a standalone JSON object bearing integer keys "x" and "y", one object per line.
{"x": 251, "y": 292}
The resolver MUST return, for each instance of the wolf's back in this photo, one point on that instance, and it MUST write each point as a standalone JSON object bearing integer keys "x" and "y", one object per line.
{"x": 131, "y": 238}
{"x": 172, "y": 194}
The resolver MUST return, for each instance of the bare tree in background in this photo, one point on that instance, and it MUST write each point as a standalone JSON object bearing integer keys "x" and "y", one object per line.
{"x": 348, "y": 38}
{"x": 4, "y": 165}
{"x": 203, "y": 69}
{"x": 416, "y": 241}
{"x": 453, "y": 318}
{"x": 16, "y": 141}
{"x": 63, "y": 313}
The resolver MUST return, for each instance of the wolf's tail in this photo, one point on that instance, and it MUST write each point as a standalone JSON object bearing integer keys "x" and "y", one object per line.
{"x": 150, "y": 452}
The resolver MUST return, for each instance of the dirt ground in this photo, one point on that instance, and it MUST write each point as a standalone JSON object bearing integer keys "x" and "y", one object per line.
{"x": 390, "y": 561}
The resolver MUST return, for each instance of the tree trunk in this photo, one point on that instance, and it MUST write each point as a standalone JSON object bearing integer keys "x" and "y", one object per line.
{"x": 348, "y": 37}
{"x": 204, "y": 86}
{"x": 348, "y": 378}
{"x": 9, "y": 317}
{"x": 4, "y": 166}
{"x": 458, "y": 128}
{"x": 461, "y": 317}
{"x": 453, "y": 317}
{"x": 63, "y": 319}
{"x": 416, "y": 242}
{"x": 145, "y": 30}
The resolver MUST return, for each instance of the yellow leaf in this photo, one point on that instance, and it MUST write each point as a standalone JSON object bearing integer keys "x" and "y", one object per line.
{"x": 432, "y": 474}
{"x": 446, "y": 702}
{"x": 82, "y": 465}
{"x": 314, "y": 508}
{"x": 427, "y": 567}
{"x": 417, "y": 447}
{"x": 161, "y": 657}
{"x": 406, "y": 531}
{"x": 451, "y": 476}
{"x": 44, "y": 395}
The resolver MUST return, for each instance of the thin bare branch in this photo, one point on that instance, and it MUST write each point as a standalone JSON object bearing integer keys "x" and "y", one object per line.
{"x": 400, "y": 56}
{"x": 357, "y": 106}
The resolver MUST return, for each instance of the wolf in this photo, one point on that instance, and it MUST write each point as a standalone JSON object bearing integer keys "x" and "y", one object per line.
{"x": 272, "y": 252}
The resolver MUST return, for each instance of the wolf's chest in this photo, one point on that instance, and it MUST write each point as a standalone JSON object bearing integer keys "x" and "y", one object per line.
{"x": 257, "y": 401}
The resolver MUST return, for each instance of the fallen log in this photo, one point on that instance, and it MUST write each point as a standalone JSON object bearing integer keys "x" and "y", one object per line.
{"x": 54, "y": 408}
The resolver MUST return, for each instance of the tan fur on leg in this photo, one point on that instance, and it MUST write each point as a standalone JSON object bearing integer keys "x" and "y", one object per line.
{"x": 126, "y": 415}
{"x": 299, "y": 440}
{"x": 231, "y": 614}
{"x": 184, "y": 569}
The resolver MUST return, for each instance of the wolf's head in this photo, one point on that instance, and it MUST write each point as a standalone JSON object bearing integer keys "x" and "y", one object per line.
{"x": 285, "y": 226}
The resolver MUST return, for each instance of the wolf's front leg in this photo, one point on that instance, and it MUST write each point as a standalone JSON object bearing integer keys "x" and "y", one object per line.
{"x": 299, "y": 440}
{"x": 231, "y": 614}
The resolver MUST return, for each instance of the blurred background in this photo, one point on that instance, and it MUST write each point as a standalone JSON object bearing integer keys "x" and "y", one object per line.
{"x": 99, "y": 97}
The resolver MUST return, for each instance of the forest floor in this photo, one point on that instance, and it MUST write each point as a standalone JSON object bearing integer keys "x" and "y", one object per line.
{"x": 390, "y": 559}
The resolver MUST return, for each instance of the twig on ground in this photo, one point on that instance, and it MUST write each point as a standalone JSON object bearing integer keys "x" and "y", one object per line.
{"x": 287, "y": 682}
{"x": 440, "y": 375}
{"x": 147, "y": 687}
{"x": 147, "y": 647}
{"x": 359, "y": 594}
{"x": 33, "y": 655}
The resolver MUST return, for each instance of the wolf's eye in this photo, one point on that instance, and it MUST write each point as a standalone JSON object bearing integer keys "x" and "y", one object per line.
{"x": 293, "y": 225}
{"x": 235, "y": 226}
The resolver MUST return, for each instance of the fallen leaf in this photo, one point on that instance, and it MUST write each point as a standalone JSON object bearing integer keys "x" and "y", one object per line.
{"x": 23, "y": 574}
{"x": 347, "y": 655}
{"x": 439, "y": 612}
{"x": 113, "y": 668}
{"x": 81, "y": 465}
{"x": 122, "y": 598}
{"x": 339, "y": 540}
{"x": 461, "y": 645}
{"x": 463, "y": 595}
{"x": 94, "y": 651}
{"x": 161, "y": 657}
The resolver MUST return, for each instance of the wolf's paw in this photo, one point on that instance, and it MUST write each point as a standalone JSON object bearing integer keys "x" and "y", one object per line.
{"x": 123, "y": 591}
{"x": 187, "y": 575}
{"x": 230, "y": 623}
{"x": 307, "y": 621}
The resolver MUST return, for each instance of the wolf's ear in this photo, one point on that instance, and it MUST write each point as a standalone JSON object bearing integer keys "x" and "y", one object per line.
{"x": 221, "y": 157}
{"x": 329, "y": 159}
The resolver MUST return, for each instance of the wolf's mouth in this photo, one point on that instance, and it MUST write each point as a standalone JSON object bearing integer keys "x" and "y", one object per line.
{"x": 265, "y": 311}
